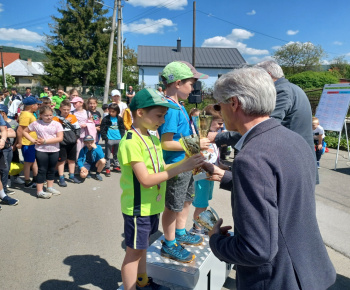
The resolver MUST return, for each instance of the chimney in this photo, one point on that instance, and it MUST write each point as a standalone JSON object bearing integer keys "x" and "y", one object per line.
{"x": 29, "y": 61}
{"x": 178, "y": 49}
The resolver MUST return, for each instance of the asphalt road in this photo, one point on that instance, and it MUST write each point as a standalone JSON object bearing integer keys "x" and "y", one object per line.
{"x": 75, "y": 240}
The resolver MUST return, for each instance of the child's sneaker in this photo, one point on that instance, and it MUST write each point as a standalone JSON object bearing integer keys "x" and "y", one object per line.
{"x": 117, "y": 168}
{"x": 189, "y": 239}
{"x": 98, "y": 177}
{"x": 74, "y": 180}
{"x": 108, "y": 172}
{"x": 53, "y": 191}
{"x": 152, "y": 285}
{"x": 43, "y": 194}
{"x": 30, "y": 185}
{"x": 9, "y": 200}
{"x": 195, "y": 230}
{"x": 177, "y": 253}
{"x": 62, "y": 182}
{"x": 18, "y": 180}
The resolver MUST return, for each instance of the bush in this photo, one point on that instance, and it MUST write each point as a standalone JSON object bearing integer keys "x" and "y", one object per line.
{"x": 332, "y": 140}
{"x": 312, "y": 79}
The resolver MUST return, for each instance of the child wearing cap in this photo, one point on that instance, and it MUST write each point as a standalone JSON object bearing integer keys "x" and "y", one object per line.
{"x": 116, "y": 98}
{"x": 91, "y": 158}
{"x": 28, "y": 148}
{"x": 143, "y": 183}
{"x": 178, "y": 77}
{"x": 49, "y": 135}
{"x": 112, "y": 131}
{"x": 83, "y": 117}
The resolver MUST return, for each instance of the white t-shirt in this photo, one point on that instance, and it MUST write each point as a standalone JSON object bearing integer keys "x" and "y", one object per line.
{"x": 318, "y": 131}
{"x": 122, "y": 107}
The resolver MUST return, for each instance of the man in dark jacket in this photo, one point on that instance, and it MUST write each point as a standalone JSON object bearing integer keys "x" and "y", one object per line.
{"x": 112, "y": 131}
{"x": 277, "y": 243}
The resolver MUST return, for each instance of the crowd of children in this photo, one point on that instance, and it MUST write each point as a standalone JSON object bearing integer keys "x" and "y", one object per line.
{"x": 53, "y": 131}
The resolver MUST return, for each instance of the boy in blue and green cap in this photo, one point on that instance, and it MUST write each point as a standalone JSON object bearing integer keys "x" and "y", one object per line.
{"x": 143, "y": 183}
{"x": 178, "y": 77}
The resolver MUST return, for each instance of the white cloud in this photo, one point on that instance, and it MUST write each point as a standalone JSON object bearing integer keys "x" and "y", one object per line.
{"x": 1, "y": 9}
{"x": 148, "y": 26}
{"x": 30, "y": 47}
{"x": 292, "y": 32}
{"x": 255, "y": 59}
{"x": 253, "y": 12}
{"x": 276, "y": 47}
{"x": 22, "y": 35}
{"x": 232, "y": 40}
{"x": 169, "y": 4}
{"x": 325, "y": 62}
{"x": 337, "y": 43}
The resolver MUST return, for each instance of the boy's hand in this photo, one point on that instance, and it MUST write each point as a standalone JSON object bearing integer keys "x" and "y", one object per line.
{"x": 193, "y": 162}
{"x": 204, "y": 143}
{"x": 19, "y": 146}
{"x": 84, "y": 170}
{"x": 319, "y": 147}
{"x": 83, "y": 126}
{"x": 94, "y": 145}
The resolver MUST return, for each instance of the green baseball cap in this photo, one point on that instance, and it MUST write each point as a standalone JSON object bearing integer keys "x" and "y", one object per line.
{"x": 148, "y": 98}
{"x": 180, "y": 70}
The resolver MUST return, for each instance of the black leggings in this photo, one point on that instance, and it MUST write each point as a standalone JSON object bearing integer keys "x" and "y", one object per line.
{"x": 46, "y": 165}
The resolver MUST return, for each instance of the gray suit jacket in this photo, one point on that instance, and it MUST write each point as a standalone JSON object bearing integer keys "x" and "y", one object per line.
{"x": 277, "y": 242}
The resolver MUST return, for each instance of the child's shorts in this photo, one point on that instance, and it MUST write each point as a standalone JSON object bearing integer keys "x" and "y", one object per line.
{"x": 28, "y": 152}
{"x": 68, "y": 152}
{"x": 90, "y": 166}
{"x": 203, "y": 193}
{"x": 178, "y": 190}
{"x": 137, "y": 230}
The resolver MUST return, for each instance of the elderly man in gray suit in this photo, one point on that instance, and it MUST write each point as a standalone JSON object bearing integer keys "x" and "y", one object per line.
{"x": 277, "y": 243}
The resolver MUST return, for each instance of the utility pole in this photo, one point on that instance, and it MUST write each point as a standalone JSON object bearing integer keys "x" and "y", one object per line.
{"x": 120, "y": 85}
{"x": 3, "y": 70}
{"x": 194, "y": 36}
{"x": 110, "y": 54}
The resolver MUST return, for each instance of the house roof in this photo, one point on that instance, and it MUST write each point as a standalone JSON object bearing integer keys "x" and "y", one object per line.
{"x": 22, "y": 68}
{"x": 208, "y": 57}
{"x": 9, "y": 57}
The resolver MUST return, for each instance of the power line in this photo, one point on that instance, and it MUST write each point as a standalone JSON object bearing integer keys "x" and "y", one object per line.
{"x": 136, "y": 17}
{"x": 160, "y": 22}
{"x": 252, "y": 30}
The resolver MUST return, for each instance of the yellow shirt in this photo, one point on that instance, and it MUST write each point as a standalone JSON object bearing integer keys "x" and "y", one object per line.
{"x": 26, "y": 118}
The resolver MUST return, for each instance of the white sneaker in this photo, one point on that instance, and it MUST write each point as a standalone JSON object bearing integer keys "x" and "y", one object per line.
{"x": 18, "y": 180}
{"x": 53, "y": 191}
{"x": 43, "y": 194}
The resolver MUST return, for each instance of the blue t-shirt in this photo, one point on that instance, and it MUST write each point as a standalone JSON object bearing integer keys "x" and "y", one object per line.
{"x": 113, "y": 132}
{"x": 175, "y": 122}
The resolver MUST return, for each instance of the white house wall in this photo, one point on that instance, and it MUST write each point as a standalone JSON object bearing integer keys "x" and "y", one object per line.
{"x": 151, "y": 75}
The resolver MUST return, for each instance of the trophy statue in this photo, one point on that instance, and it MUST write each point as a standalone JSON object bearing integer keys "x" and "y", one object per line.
{"x": 206, "y": 220}
{"x": 202, "y": 125}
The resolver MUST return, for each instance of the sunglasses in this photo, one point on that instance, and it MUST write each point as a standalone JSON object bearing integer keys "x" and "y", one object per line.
{"x": 217, "y": 107}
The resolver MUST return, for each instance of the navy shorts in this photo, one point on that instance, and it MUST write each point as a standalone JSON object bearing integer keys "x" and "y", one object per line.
{"x": 137, "y": 230}
{"x": 28, "y": 152}
{"x": 90, "y": 166}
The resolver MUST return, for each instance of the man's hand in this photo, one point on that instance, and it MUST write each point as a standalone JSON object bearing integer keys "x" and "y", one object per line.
{"x": 217, "y": 229}
{"x": 214, "y": 172}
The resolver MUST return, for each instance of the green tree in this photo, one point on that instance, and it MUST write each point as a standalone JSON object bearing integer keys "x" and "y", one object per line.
{"x": 77, "y": 48}
{"x": 298, "y": 57}
{"x": 10, "y": 81}
{"x": 341, "y": 65}
{"x": 130, "y": 68}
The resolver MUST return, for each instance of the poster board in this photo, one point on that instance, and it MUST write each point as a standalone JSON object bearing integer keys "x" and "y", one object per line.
{"x": 332, "y": 110}
{"x": 333, "y": 106}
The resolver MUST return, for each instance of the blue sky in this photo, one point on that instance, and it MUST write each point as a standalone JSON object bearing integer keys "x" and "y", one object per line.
{"x": 255, "y": 27}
